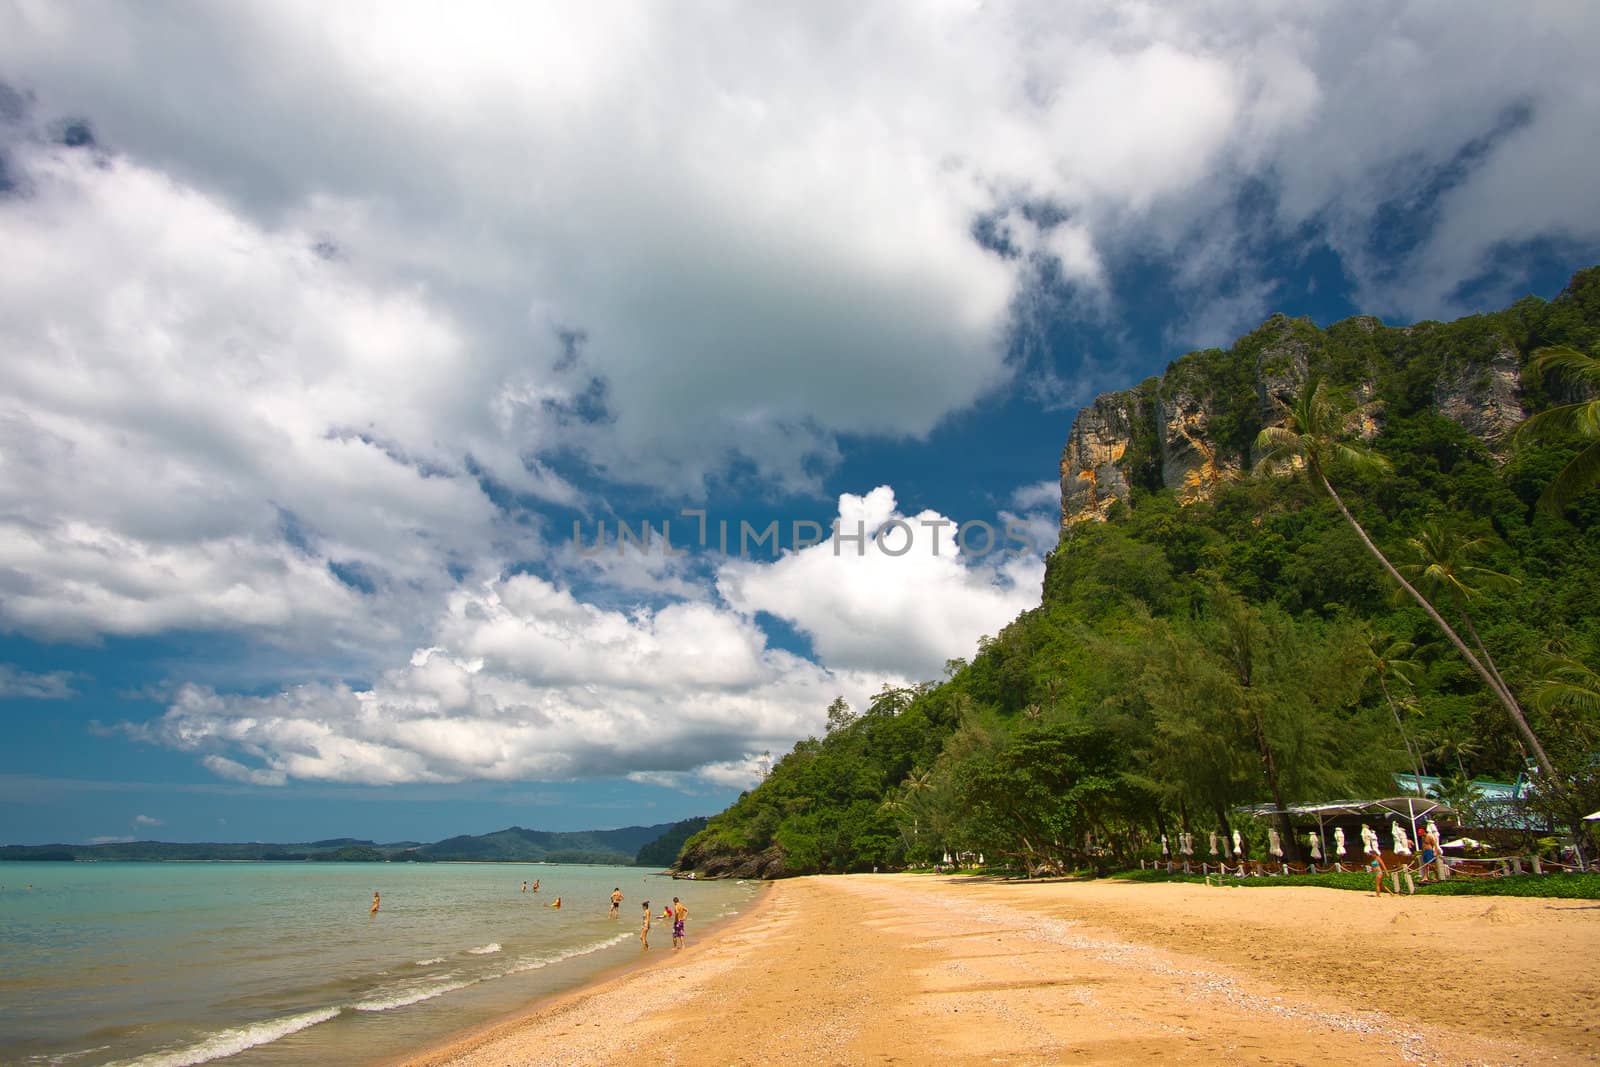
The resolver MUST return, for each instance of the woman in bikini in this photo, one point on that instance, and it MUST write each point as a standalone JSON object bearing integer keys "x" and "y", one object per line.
{"x": 644, "y": 931}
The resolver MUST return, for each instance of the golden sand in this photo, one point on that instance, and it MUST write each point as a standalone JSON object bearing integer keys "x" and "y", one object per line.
{"x": 882, "y": 969}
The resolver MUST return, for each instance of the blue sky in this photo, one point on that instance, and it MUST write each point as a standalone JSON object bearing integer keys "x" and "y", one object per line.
{"x": 324, "y": 326}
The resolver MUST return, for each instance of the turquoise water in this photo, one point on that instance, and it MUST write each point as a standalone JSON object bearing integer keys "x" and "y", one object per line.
{"x": 167, "y": 964}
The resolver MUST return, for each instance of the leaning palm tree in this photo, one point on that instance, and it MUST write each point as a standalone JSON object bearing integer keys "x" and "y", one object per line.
{"x": 1312, "y": 436}
{"x": 1582, "y": 418}
{"x": 1446, "y": 564}
{"x": 1389, "y": 658}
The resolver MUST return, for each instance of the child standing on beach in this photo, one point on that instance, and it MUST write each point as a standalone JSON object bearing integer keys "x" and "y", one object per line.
{"x": 644, "y": 931}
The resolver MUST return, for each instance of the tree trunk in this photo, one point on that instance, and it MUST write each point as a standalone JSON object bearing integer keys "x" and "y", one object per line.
{"x": 1416, "y": 765}
{"x": 1504, "y": 697}
{"x": 1281, "y": 817}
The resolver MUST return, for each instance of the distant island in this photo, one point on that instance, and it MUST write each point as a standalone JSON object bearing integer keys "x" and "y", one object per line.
{"x": 631, "y": 845}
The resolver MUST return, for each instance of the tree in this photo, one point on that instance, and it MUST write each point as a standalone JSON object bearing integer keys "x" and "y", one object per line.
{"x": 1446, "y": 563}
{"x": 1389, "y": 658}
{"x": 1581, "y": 418}
{"x": 1313, "y": 435}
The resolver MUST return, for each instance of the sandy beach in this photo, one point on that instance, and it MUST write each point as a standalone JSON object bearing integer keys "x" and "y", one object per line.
{"x": 880, "y": 969}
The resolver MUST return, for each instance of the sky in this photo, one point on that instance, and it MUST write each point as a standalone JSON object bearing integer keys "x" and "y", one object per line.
{"x": 335, "y": 335}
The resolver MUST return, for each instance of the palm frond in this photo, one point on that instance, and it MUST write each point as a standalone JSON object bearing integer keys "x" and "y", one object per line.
{"x": 1358, "y": 458}
{"x": 1564, "y": 361}
{"x": 1578, "y": 476}
{"x": 1581, "y": 419}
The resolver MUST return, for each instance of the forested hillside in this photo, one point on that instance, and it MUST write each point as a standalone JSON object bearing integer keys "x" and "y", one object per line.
{"x": 1223, "y": 636}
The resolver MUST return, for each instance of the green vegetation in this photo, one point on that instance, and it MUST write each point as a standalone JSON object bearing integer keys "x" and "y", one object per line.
{"x": 1265, "y": 645}
{"x": 1562, "y": 886}
{"x": 664, "y": 849}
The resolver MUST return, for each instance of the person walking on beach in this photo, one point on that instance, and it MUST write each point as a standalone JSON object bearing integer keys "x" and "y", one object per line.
{"x": 1376, "y": 866}
{"x": 374, "y": 909}
{"x": 616, "y": 901}
{"x": 644, "y": 931}
{"x": 679, "y": 914}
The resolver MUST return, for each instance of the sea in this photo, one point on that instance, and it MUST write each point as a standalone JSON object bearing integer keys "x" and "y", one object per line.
{"x": 169, "y": 964}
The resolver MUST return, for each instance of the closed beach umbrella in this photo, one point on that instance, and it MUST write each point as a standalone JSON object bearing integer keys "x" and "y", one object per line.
{"x": 1164, "y": 851}
{"x": 1338, "y": 841}
{"x": 1433, "y": 829}
{"x": 1369, "y": 838}
{"x": 1238, "y": 846}
{"x": 1402, "y": 843}
{"x": 1274, "y": 845}
{"x": 1186, "y": 844}
{"x": 1213, "y": 842}
{"x": 1316, "y": 845}
{"x": 947, "y": 859}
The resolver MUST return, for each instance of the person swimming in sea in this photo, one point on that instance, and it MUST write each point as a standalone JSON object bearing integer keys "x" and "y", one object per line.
{"x": 374, "y": 909}
{"x": 616, "y": 901}
{"x": 556, "y": 903}
{"x": 644, "y": 931}
{"x": 524, "y": 885}
{"x": 536, "y": 885}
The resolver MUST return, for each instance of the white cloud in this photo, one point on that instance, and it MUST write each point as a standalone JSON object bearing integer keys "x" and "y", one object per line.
{"x": 145, "y": 820}
{"x": 524, "y": 680}
{"x": 867, "y": 607}
{"x": 18, "y": 684}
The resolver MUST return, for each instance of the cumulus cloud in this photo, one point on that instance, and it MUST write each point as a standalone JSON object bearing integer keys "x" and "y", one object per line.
{"x": 140, "y": 821}
{"x": 525, "y": 680}
{"x": 906, "y": 596}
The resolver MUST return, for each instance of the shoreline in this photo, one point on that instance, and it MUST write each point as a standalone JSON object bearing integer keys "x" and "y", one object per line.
{"x": 870, "y": 968}
{"x": 454, "y": 1046}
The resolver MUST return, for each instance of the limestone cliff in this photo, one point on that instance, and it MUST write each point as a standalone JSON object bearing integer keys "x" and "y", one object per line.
{"x": 1191, "y": 429}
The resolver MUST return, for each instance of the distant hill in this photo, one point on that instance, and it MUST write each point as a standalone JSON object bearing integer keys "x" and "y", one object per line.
{"x": 664, "y": 850}
{"x": 512, "y": 845}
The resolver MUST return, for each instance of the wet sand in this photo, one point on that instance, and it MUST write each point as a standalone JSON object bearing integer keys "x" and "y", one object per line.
{"x": 882, "y": 969}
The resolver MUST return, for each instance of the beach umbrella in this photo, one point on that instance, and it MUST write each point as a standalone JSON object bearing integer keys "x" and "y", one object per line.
{"x": 1164, "y": 851}
{"x": 1238, "y": 846}
{"x": 1433, "y": 829}
{"x": 1213, "y": 842}
{"x": 1368, "y": 839}
{"x": 1316, "y": 845}
{"x": 1274, "y": 845}
{"x": 1402, "y": 843}
{"x": 1186, "y": 844}
{"x": 980, "y": 859}
{"x": 1591, "y": 818}
{"x": 1338, "y": 841}
{"x": 947, "y": 859}
{"x": 1463, "y": 842}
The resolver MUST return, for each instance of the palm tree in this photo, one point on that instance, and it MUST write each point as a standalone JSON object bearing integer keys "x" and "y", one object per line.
{"x": 1390, "y": 658}
{"x": 1445, "y": 565}
{"x": 1313, "y": 434}
{"x": 1458, "y": 746}
{"x": 1567, "y": 682}
{"x": 1582, "y": 418}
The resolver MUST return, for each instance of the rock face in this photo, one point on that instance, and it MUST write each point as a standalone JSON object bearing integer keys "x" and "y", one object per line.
{"x": 1482, "y": 399}
{"x": 1091, "y": 478}
{"x": 1191, "y": 429}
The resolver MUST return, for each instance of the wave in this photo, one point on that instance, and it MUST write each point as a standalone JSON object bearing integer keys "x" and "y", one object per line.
{"x": 534, "y": 963}
{"x": 430, "y": 962}
{"x": 485, "y": 950}
{"x": 233, "y": 1042}
{"x": 401, "y": 999}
